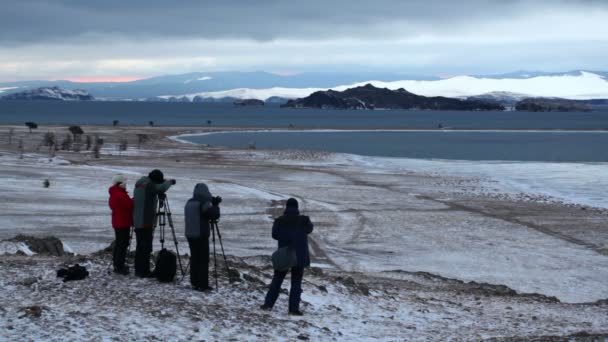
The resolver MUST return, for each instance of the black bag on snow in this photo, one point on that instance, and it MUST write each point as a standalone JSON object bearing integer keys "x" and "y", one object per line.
{"x": 75, "y": 272}
{"x": 166, "y": 266}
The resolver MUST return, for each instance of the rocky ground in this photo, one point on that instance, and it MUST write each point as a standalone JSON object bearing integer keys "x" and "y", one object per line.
{"x": 344, "y": 306}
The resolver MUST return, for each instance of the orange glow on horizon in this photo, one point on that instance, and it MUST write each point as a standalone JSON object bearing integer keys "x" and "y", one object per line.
{"x": 103, "y": 79}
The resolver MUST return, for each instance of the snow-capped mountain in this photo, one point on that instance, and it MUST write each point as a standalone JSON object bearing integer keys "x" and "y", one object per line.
{"x": 51, "y": 93}
{"x": 263, "y": 85}
{"x": 580, "y": 86}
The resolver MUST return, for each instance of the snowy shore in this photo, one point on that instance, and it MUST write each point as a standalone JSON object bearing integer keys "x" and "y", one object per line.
{"x": 375, "y": 221}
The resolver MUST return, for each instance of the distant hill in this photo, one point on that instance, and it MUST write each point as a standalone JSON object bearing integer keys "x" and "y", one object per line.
{"x": 370, "y": 97}
{"x": 51, "y": 93}
{"x": 249, "y": 102}
{"x": 552, "y": 105}
{"x": 502, "y": 97}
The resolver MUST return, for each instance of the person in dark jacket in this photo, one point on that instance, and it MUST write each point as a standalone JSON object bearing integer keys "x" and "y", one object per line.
{"x": 122, "y": 220}
{"x": 290, "y": 230}
{"x": 199, "y": 211}
{"x": 145, "y": 197}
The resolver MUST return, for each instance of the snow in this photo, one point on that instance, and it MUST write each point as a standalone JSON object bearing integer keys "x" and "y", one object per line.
{"x": 7, "y": 88}
{"x": 9, "y": 247}
{"x": 577, "y": 183}
{"x": 392, "y": 225}
{"x": 204, "y": 78}
{"x": 337, "y": 306}
{"x": 586, "y": 85}
{"x": 367, "y": 212}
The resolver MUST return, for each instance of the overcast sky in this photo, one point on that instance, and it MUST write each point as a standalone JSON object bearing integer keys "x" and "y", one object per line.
{"x": 80, "y": 39}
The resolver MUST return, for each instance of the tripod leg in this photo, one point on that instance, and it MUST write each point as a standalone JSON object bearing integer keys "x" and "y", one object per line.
{"x": 187, "y": 269}
{"x": 221, "y": 244}
{"x": 214, "y": 261}
{"x": 179, "y": 258}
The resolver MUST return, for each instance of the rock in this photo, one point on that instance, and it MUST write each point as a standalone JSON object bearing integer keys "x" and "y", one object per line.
{"x": 42, "y": 245}
{"x": 322, "y": 288}
{"x": 249, "y": 102}
{"x": 316, "y": 271}
{"x": 32, "y": 311}
{"x": 252, "y": 279}
{"x": 234, "y": 275}
{"x": 303, "y": 337}
{"x": 29, "y": 281}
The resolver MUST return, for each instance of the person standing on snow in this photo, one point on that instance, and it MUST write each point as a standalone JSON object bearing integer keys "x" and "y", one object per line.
{"x": 146, "y": 193}
{"x": 290, "y": 230}
{"x": 122, "y": 220}
{"x": 199, "y": 212}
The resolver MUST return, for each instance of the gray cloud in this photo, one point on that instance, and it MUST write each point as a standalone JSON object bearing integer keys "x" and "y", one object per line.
{"x": 31, "y": 21}
{"x": 75, "y": 38}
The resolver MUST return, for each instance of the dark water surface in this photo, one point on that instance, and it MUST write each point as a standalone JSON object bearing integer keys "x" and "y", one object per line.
{"x": 226, "y": 114}
{"x": 492, "y": 145}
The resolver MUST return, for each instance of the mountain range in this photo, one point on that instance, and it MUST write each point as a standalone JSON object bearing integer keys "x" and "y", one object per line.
{"x": 213, "y": 86}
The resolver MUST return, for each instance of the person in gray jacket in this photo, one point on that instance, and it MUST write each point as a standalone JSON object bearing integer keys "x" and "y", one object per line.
{"x": 199, "y": 211}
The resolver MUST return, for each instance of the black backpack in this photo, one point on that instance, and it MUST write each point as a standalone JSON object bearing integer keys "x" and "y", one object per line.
{"x": 166, "y": 266}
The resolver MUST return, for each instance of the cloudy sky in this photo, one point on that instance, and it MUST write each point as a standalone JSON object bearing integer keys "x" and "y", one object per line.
{"x": 122, "y": 40}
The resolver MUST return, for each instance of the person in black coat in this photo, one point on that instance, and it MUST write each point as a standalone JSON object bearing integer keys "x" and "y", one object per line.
{"x": 291, "y": 230}
{"x": 199, "y": 213}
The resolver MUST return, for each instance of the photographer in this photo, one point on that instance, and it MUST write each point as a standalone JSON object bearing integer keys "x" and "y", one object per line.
{"x": 290, "y": 230}
{"x": 198, "y": 212}
{"x": 122, "y": 220}
{"x": 147, "y": 191}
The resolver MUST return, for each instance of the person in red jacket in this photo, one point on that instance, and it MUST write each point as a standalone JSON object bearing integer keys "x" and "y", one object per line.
{"x": 122, "y": 219}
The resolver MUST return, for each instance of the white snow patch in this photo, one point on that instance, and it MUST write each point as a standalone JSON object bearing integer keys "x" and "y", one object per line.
{"x": 9, "y": 247}
{"x": 2, "y": 90}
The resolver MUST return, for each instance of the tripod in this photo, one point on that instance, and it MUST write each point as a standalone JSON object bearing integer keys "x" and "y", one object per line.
{"x": 163, "y": 215}
{"x": 215, "y": 228}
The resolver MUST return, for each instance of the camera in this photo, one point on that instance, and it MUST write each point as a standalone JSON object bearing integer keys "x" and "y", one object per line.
{"x": 216, "y": 200}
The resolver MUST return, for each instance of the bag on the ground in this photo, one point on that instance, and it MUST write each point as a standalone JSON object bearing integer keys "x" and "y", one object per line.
{"x": 166, "y": 266}
{"x": 75, "y": 272}
{"x": 283, "y": 259}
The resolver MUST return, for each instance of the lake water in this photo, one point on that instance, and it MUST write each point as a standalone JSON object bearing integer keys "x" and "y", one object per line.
{"x": 460, "y": 145}
{"x": 226, "y": 114}
{"x": 568, "y": 165}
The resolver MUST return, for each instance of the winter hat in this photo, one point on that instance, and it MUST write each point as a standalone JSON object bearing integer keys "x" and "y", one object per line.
{"x": 291, "y": 203}
{"x": 119, "y": 178}
{"x": 156, "y": 176}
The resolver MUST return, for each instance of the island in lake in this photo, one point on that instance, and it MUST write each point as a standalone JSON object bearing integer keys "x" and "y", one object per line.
{"x": 51, "y": 93}
{"x": 370, "y": 97}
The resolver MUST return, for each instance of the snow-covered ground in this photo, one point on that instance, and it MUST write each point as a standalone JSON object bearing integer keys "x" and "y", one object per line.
{"x": 377, "y": 219}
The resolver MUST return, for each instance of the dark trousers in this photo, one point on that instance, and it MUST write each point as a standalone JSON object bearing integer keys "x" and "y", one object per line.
{"x": 199, "y": 262}
{"x": 121, "y": 243}
{"x": 297, "y": 273}
{"x": 144, "y": 237}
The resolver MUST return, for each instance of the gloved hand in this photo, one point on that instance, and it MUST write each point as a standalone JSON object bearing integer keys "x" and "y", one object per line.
{"x": 172, "y": 181}
{"x": 215, "y": 201}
